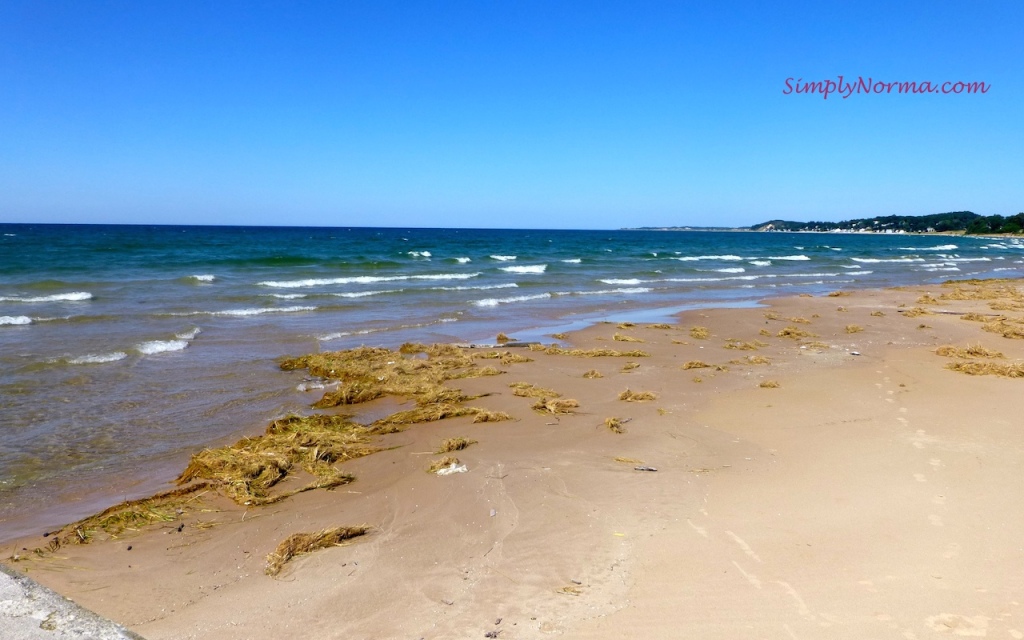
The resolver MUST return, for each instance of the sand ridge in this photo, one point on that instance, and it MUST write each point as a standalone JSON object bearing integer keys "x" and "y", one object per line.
{"x": 871, "y": 493}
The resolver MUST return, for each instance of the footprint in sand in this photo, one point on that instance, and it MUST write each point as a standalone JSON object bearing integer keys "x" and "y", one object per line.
{"x": 920, "y": 477}
{"x": 936, "y": 463}
{"x": 935, "y": 520}
{"x": 968, "y": 626}
{"x": 939, "y": 499}
{"x": 952, "y": 551}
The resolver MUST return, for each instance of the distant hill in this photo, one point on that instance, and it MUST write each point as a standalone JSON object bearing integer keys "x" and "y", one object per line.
{"x": 965, "y": 221}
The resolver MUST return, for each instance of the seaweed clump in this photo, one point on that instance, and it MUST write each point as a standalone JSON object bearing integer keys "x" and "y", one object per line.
{"x": 302, "y": 543}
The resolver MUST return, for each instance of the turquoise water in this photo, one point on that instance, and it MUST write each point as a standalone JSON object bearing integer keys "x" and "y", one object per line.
{"x": 125, "y": 348}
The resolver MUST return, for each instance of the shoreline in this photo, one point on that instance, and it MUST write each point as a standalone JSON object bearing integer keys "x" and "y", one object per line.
{"x": 747, "y": 476}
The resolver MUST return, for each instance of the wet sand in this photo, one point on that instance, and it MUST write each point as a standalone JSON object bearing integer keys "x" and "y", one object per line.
{"x": 870, "y": 495}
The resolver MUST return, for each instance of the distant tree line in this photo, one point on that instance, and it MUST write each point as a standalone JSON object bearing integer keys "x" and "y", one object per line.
{"x": 965, "y": 221}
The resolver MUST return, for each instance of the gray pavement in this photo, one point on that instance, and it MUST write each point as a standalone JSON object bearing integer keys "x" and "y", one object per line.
{"x": 30, "y": 611}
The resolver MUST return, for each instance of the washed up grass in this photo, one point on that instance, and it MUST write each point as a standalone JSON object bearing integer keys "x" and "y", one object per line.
{"x": 556, "y": 406}
{"x": 854, "y": 328}
{"x": 592, "y": 374}
{"x": 1015, "y": 370}
{"x": 700, "y": 333}
{"x": 745, "y": 346}
{"x": 627, "y": 460}
{"x": 661, "y": 325}
{"x": 426, "y": 413}
{"x": 131, "y": 515}
{"x": 454, "y": 444}
{"x": 303, "y": 543}
{"x": 695, "y": 364}
{"x": 618, "y": 337}
{"x": 483, "y": 415}
{"x": 594, "y": 353}
{"x": 794, "y": 333}
{"x": 838, "y": 294}
{"x": 626, "y": 325}
{"x": 878, "y": 314}
{"x": 506, "y": 357}
{"x": 529, "y": 390}
{"x": 637, "y": 396}
{"x": 249, "y": 469}
{"x": 970, "y": 351}
{"x": 769, "y": 384}
{"x": 629, "y": 366}
{"x": 927, "y": 299}
{"x": 614, "y": 425}
{"x": 917, "y": 311}
{"x": 751, "y": 360}
{"x": 977, "y": 317}
{"x": 1005, "y": 329}
{"x": 442, "y": 463}
{"x": 800, "y": 320}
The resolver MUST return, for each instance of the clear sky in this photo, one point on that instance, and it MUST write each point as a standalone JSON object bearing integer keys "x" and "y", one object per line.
{"x": 503, "y": 114}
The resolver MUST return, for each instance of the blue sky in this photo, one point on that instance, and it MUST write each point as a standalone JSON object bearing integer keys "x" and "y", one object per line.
{"x": 503, "y": 114}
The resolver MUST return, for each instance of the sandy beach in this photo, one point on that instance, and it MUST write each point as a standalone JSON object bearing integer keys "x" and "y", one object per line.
{"x": 806, "y": 469}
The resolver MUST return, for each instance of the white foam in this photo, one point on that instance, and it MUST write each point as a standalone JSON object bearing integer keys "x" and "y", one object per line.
{"x": 463, "y": 260}
{"x": 76, "y": 296}
{"x": 286, "y": 296}
{"x": 203, "y": 278}
{"x": 503, "y": 258}
{"x": 761, "y": 263}
{"x": 493, "y": 302}
{"x": 732, "y": 270}
{"x": 798, "y": 257}
{"x": 15, "y": 320}
{"x": 603, "y": 292}
{"x": 877, "y": 260}
{"x": 483, "y": 287}
{"x": 572, "y": 261}
{"x": 941, "y": 247}
{"x": 251, "y": 312}
{"x": 695, "y": 258}
{"x": 535, "y": 268}
{"x": 850, "y": 266}
{"x": 969, "y": 259}
{"x": 419, "y": 254}
{"x": 363, "y": 294}
{"x": 320, "y": 282}
{"x": 99, "y": 358}
{"x": 621, "y": 281}
{"x": 160, "y": 346}
{"x": 190, "y": 334}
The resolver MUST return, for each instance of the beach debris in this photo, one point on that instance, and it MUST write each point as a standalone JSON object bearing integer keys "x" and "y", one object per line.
{"x": 878, "y": 314}
{"x": 615, "y": 424}
{"x": 483, "y": 415}
{"x": 501, "y": 338}
{"x": 854, "y": 328}
{"x": 1014, "y": 370}
{"x": 795, "y": 333}
{"x": 927, "y": 299}
{"x": 556, "y": 406}
{"x": 301, "y": 543}
{"x": 695, "y": 364}
{"x": 492, "y": 634}
{"x": 506, "y": 357}
{"x": 442, "y": 463}
{"x": 970, "y": 351}
{"x": 618, "y": 337}
{"x": 494, "y": 512}
{"x": 740, "y": 345}
{"x": 644, "y": 468}
{"x": 454, "y": 444}
{"x": 855, "y": 353}
{"x": 530, "y": 390}
{"x": 131, "y": 514}
{"x": 915, "y": 311}
{"x": 637, "y": 396}
{"x": 593, "y": 373}
{"x": 700, "y": 333}
{"x": 625, "y": 460}
{"x": 838, "y": 294}
{"x": 661, "y": 325}
{"x": 800, "y": 320}
{"x": 769, "y": 384}
{"x": 452, "y": 468}
{"x": 593, "y": 353}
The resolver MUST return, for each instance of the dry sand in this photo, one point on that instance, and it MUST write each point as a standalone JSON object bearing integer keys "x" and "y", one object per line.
{"x": 866, "y": 496}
